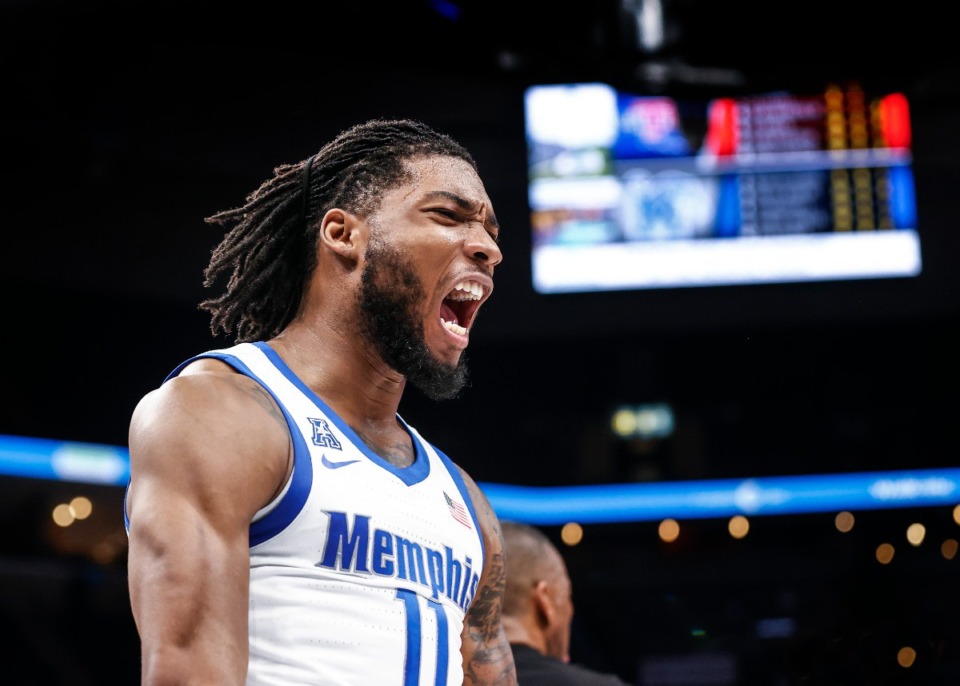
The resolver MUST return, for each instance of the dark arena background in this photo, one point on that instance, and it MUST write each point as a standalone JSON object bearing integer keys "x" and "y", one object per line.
{"x": 785, "y": 449}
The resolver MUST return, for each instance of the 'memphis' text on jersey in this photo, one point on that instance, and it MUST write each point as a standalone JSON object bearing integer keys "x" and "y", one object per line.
{"x": 386, "y": 554}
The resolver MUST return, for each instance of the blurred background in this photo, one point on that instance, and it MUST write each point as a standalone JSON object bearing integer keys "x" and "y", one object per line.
{"x": 125, "y": 124}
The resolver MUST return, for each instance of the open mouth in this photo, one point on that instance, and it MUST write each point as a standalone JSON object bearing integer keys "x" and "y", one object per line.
{"x": 460, "y": 307}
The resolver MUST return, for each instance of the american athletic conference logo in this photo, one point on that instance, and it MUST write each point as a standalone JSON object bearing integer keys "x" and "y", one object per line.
{"x": 322, "y": 435}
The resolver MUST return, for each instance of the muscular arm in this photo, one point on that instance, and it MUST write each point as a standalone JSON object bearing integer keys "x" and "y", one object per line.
{"x": 207, "y": 450}
{"x": 487, "y": 658}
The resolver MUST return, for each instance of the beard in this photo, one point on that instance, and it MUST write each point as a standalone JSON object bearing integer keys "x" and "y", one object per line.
{"x": 389, "y": 297}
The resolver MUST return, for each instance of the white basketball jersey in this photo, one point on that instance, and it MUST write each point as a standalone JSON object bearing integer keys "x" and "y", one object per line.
{"x": 360, "y": 572}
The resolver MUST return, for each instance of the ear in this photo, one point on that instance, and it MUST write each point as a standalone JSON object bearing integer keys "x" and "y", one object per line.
{"x": 543, "y": 603}
{"x": 343, "y": 233}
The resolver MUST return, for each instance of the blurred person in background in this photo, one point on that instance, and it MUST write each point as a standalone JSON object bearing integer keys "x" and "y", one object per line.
{"x": 538, "y": 612}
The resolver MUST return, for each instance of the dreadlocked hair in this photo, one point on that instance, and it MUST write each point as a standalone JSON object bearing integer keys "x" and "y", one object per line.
{"x": 269, "y": 250}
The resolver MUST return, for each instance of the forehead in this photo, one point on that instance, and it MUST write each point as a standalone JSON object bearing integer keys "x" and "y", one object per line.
{"x": 430, "y": 175}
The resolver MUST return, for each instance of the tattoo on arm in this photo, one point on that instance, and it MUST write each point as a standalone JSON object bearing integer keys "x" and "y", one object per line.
{"x": 266, "y": 401}
{"x": 492, "y": 659}
{"x": 484, "y": 614}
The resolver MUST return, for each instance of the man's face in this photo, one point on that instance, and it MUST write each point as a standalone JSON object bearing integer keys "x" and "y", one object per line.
{"x": 390, "y": 296}
{"x": 427, "y": 268}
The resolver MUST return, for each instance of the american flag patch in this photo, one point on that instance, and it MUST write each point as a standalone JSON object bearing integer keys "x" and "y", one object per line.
{"x": 458, "y": 511}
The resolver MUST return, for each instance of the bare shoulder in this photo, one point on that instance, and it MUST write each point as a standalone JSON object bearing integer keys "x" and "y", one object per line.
{"x": 209, "y": 429}
{"x": 208, "y": 393}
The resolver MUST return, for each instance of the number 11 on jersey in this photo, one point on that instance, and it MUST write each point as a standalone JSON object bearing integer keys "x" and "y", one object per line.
{"x": 414, "y": 641}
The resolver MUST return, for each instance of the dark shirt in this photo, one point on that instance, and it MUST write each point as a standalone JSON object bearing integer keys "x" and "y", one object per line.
{"x": 536, "y": 669}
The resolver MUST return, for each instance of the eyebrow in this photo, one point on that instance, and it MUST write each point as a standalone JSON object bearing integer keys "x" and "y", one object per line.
{"x": 463, "y": 204}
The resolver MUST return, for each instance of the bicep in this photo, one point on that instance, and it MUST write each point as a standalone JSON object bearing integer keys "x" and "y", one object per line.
{"x": 487, "y": 658}
{"x": 188, "y": 581}
{"x": 190, "y": 502}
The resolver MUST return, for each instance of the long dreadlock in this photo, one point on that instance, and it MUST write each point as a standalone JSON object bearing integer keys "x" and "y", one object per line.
{"x": 270, "y": 251}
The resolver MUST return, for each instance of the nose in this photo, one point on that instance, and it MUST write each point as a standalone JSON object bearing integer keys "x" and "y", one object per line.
{"x": 482, "y": 248}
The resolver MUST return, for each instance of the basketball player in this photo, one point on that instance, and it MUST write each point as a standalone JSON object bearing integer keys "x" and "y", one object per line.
{"x": 286, "y": 525}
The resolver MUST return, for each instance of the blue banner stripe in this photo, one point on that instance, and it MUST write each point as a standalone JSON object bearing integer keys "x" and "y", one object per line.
{"x": 634, "y": 502}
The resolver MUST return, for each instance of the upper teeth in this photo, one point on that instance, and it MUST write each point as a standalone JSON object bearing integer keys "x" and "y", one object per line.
{"x": 467, "y": 290}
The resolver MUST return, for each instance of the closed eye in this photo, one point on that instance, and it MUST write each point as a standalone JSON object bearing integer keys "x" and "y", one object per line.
{"x": 457, "y": 215}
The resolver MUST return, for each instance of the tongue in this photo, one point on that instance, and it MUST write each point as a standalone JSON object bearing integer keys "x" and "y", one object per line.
{"x": 448, "y": 314}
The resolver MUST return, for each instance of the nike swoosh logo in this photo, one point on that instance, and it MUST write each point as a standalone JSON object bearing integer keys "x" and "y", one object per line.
{"x": 335, "y": 465}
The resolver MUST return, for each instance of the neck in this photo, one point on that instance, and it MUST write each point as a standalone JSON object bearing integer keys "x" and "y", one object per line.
{"x": 519, "y": 631}
{"x": 347, "y": 374}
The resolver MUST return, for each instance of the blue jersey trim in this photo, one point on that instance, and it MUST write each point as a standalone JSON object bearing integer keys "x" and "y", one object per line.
{"x": 414, "y": 474}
